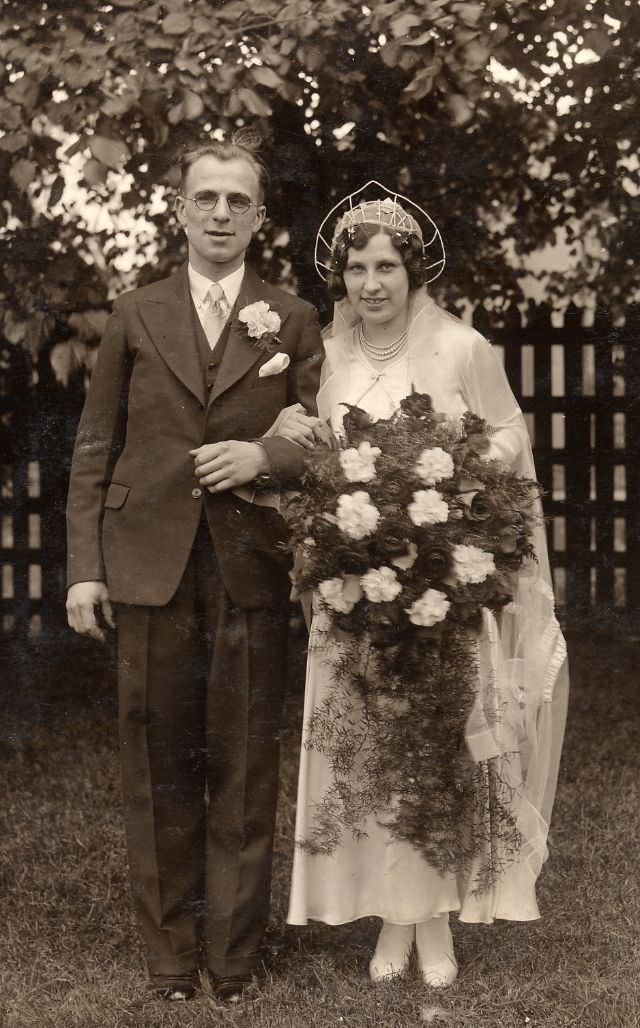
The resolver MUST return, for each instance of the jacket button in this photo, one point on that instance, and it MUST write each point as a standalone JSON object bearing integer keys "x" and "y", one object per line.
{"x": 196, "y": 493}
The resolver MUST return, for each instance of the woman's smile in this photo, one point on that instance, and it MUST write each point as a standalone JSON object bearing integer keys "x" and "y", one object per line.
{"x": 377, "y": 284}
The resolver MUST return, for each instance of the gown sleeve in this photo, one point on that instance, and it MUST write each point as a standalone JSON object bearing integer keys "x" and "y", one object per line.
{"x": 530, "y": 667}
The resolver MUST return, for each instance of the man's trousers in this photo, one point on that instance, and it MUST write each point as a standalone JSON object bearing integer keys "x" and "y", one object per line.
{"x": 201, "y": 688}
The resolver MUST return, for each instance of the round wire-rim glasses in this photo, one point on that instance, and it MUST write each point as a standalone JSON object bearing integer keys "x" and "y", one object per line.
{"x": 237, "y": 203}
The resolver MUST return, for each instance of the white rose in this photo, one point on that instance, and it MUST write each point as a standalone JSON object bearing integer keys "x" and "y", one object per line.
{"x": 434, "y": 465}
{"x": 381, "y": 585}
{"x": 360, "y": 465}
{"x": 428, "y": 507}
{"x": 356, "y": 515}
{"x": 429, "y": 609}
{"x": 259, "y": 319}
{"x": 332, "y": 591}
{"x": 472, "y": 564}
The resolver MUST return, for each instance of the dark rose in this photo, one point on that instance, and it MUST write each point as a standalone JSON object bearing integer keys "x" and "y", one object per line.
{"x": 472, "y": 424}
{"x": 321, "y": 530}
{"x": 352, "y": 559}
{"x": 395, "y": 488}
{"x": 434, "y": 561}
{"x": 478, "y": 442}
{"x": 391, "y": 538}
{"x": 355, "y": 419}
{"x": 385, "y": 624}
{"x": 509, "y": 539}
{"x": 481, "y": 508}
{"x": 417, "y": 405}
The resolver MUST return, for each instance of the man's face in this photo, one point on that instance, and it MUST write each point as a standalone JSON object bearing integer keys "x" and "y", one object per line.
{"x": 218, "y": 238}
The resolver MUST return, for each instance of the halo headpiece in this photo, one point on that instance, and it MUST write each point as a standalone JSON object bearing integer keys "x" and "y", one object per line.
{"x": 390, "y": 211}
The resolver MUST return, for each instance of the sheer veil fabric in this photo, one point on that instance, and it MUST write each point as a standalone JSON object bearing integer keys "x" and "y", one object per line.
{"x": 520, "y": 709}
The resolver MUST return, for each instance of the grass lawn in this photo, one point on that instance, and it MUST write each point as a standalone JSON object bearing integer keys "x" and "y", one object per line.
{"x": 69, "y": 953}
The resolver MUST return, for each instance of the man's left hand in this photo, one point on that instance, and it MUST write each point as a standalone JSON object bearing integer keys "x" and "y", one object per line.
{"x": 221, "y": 466}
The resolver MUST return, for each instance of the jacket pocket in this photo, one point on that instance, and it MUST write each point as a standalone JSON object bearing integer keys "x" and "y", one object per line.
{"x": 116, "y": 496}
{"x": 269, "y": 381}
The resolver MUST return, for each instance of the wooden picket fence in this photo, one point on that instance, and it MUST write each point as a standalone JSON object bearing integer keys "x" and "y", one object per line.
{"x": 579, "y": 388}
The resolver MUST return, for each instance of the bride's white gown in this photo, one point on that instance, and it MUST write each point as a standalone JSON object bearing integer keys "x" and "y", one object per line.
{"x": 375, "y": 874}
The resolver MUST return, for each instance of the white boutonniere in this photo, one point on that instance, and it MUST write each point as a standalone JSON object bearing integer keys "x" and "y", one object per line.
{"x": 262, "y": 325}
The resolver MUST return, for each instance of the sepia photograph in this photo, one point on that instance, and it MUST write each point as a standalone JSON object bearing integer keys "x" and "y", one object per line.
{"x": 319, "y": 514}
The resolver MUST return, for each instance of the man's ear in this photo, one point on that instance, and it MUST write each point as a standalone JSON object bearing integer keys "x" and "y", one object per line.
{"x": 261, "y": 213}
{"x": 178, "y": 207}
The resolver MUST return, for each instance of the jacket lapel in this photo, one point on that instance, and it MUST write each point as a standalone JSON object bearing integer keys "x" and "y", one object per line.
{"x": 169, "y": 322}
{"x": 241, "y": 353}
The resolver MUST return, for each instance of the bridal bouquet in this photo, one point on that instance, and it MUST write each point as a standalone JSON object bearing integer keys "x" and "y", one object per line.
{"x": 406, "y": 535}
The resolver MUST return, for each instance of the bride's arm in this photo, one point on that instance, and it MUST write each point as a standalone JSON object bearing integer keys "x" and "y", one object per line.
{"x": 487, "y": 391}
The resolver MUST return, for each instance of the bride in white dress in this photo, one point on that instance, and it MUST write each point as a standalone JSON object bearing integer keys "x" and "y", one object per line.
{"x": 388, "y": 338}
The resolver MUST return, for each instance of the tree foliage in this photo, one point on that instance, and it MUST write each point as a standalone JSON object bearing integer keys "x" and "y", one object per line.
{"x": 512, "y": 122}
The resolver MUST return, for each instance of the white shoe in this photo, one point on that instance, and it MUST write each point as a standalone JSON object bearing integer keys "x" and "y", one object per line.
{"x": 392, "y": 952}
{"x": 434, "y": 942}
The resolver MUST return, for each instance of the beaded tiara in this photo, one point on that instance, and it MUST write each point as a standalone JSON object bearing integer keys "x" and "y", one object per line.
{"x": 388, "y": 212}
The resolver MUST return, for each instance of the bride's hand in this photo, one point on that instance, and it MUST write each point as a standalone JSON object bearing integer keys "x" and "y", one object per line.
{"x": 293, "y": 424}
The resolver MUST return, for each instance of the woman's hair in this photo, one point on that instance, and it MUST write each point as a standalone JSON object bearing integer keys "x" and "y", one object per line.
{"x": 224, "y": 151}
{"x": 408, "y": 245}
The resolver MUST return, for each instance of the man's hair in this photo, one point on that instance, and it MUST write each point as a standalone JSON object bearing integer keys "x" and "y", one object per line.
{"x": 408, "y": 245}
{"x": 224, "y": 151}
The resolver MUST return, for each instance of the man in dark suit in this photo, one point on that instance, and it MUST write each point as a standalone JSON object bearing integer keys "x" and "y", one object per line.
{"x": 191, "y": 372}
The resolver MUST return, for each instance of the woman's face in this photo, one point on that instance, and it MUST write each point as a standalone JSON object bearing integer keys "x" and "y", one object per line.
{"x": 377, "y": 283}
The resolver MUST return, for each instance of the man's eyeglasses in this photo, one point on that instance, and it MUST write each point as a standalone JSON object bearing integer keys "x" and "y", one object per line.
{"x": 237, "y": 203}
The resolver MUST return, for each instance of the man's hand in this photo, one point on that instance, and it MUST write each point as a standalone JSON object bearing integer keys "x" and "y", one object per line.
{"x": 82, "y": 600}
{"x": 221, "y": 466}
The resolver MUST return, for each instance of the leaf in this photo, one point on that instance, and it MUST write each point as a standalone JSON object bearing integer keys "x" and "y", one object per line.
{"x": 460, "y": 109}
{"x": 56, "y": 191}
{"x": 189, "y": 64}
{"x": 10, "y": 117}
{"x": 390, "y": 54}
{"x": 61, "y": 358}
{"x": 23, "y": 173}
{"x": 311, "y": 58}
{"x": 598, "y": 41}
{"x": 176, "y": 113}
{"x": 254, "y": 103}
{"x": 476, "y": 54}
{"x": 155, "y": 41}
{"x": 176, "y": 24}
{"x": 14, "y": 141}
{"x": 94, "y": 172}
{"x": 421, "y": 85}
{"x": 266, "y": 76}
{"x": 469, "y": 13}
{"x": 193, "y": 105}
{"x": 421, "y": 40}
{"x": 12, "y": 329}
{"x": 402, "y": 25}
{"x": 112, "y": 152}
{"x": 24, "y": 91}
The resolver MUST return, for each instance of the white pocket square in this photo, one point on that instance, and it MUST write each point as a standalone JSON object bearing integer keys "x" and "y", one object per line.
{"x": 278, "y": 363}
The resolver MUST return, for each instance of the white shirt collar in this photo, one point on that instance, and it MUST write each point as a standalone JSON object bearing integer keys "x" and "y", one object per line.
{"x": 199, "y": 285}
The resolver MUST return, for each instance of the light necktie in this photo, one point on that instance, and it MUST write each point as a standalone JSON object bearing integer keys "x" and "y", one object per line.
{"x": 215, "y": 310}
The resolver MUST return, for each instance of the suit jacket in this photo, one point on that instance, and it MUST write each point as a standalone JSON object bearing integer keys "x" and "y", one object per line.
{"x": 134, "y": 503}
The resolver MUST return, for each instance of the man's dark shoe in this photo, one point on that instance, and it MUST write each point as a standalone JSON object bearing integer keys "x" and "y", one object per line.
{"x": 175, "y": 988}
{"x": 229, "y": 990}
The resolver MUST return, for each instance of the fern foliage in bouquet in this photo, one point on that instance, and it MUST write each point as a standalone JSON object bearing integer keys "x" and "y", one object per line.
{"x": 406, "y": 535}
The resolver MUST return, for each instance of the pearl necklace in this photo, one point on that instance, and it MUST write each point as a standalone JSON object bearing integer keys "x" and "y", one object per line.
{"x": 382, "y": 353}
